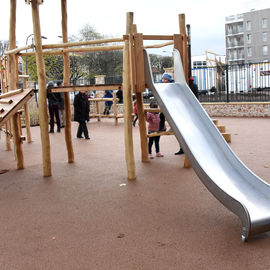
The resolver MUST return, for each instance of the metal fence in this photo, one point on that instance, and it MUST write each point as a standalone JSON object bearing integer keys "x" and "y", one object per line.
{"x": 234, "y": 83}
{"x": 229, "y": 83}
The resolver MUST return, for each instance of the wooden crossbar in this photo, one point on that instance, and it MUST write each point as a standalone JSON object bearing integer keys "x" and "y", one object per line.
{"x": 91, "y": 87}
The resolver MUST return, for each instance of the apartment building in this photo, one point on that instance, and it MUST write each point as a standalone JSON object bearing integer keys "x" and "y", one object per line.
{"x": 248, "y": 37}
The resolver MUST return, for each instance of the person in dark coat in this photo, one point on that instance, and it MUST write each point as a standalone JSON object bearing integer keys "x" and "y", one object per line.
{"x": 194, "y": 87}
{"x": 119, "y": 95}
{"x": 54, "y": 100}
{"x": 81, "y": 113}
{"x": 108, "y": 103}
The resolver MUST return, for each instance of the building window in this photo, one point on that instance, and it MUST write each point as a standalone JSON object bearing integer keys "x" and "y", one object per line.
{"x": 199, "y": 64}
{"x": 264, "y": 36}
{"x": 264, "y": 23}
{"x": 249, "y": 52}
{"x": 248, "y": 25}
{"x": 230, "y": 29}
{"x": 248, "y": 38}
{"x": 265, "y": 50}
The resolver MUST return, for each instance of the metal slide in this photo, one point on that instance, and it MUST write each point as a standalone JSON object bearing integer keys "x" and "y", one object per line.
{"x": 220, "y": 170}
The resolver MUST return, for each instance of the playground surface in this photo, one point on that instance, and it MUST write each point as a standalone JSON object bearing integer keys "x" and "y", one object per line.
{"x": 89, "y": 216}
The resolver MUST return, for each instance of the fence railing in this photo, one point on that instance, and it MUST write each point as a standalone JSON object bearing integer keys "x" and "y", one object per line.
{"x": 234, "y": 83}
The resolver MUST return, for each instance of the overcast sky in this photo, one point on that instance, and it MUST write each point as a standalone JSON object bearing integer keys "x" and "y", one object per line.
{"x": 206, "y": 17}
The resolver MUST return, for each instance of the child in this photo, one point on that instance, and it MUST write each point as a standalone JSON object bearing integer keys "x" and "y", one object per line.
{"x": 154, "y": 125}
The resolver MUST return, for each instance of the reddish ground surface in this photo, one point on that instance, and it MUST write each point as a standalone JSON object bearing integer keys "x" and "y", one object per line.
{"x": 89, "y": 216}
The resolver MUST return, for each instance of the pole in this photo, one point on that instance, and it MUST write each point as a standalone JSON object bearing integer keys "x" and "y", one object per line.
{"x": 42, "y": 97}
{"x": 12, "y": 84}
{"x": 189, "y": 50}
{"x": 127, "y": 103}
{"x": 68, "y": 137}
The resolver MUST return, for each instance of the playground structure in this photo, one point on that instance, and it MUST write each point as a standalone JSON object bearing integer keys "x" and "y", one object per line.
{"x": 248, "y": 199}
{"x": 133, "y": 77}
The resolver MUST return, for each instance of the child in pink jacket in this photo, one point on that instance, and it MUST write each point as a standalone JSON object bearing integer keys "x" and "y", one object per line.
{"x": 153, "y": 120}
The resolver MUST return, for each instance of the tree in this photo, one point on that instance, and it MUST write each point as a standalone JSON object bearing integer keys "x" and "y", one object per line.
{"x": 53, "y": 64}
{"x": 159, "y": 62}
{"x": 3, "y": 47}
{"x": 88, "y": 65}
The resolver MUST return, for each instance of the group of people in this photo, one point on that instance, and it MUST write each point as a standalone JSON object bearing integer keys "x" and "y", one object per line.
{"x": 156, "y": 120}
{"x": 81, "y": 108}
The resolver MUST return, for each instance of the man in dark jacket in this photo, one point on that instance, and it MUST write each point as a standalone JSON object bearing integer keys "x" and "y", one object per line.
{"x": 81, "y": 113}
{"x": 54, "y": 100}
{"x": 119, "y": 95}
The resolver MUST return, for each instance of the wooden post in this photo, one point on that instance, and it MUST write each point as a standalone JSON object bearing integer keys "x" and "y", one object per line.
{"x": 184, "y": 55}
{"x": 115, "y": 109}
{"x": 42, "y": 95}
{"x": 97, "y": 110}
{"x": 27, "y": 115}
{"x": 140, "y": 88}
{"x": 68, "y": 137}
{"x": 129, "y": 152}
{"x": 12, "y": 79}
{"x": 19, "y": 123}
{"x": 4, "y": 90}
{"x": 184, "y": 52}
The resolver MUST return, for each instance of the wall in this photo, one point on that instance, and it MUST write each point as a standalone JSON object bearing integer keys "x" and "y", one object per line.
{"x": 238, "y": 109}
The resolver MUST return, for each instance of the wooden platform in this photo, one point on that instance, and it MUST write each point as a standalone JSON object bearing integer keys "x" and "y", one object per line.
{"x": 10, "y": 104}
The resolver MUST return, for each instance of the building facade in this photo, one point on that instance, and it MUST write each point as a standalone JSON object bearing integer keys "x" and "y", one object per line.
{"x": 248, "y": 37}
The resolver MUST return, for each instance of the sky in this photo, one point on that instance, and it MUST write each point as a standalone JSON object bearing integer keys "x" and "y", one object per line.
{"x": 152, "y": 17}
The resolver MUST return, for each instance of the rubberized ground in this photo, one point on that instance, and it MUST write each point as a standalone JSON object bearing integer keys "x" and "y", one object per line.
{"x": 89, "y": 216}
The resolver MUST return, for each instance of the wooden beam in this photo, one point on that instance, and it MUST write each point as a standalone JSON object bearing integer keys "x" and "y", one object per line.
{"x": 138, "y": 63}
{"x": 79, "y": 50}
{"x": 26, "y": 111}
{"x": 158, "y": 45}
{"x": 17, "y": 50}
{"x": 18, "y": 101}
{"x": 68, "y": 137}
{"x": 93, "y": 87}
{"x": 102, "y": 99}
{"x": 184, "y": 51}
{"x": 13, "y": 79}
{"x": 42, "y": 94}
{"x": 11, "y": 93}
{"x": 3, "y": 101}
{"x": 157, "y": 37}
{"x": 66, "y": 44}
{"x": 160, "y": 133}
{"x": 127, "y": 104}
{"x": 115, "y": 99}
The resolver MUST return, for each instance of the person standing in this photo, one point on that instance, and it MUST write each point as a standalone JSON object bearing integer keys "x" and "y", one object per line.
{"x": 54, "y": 100}
{"x": 62, "y": 106}
{"x": 108, "y": 103}
{"x": 81, "y": 113}
{"x": 119, "y": 95}
{"x": 153, "y": 120}
{"x": 194, "y": 87}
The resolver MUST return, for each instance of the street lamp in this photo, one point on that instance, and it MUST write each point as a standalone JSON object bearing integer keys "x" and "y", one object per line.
{"x": 26, "y": 42}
